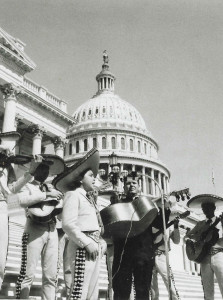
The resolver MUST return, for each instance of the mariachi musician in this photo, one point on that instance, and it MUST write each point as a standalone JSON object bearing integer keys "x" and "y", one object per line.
{"x": 81, "y": 222}
{"x": 40, "y": 238}
{"x": 134, "y": 256}
{"x": 160, "y": 266}
{"x": 9, "y": 185}
{"x": 212, "y": 260}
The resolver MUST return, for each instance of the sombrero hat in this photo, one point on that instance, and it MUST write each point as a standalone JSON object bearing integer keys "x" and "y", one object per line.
{"x": 72, "y": 173}
{"x": 10, "y": 135}
{"x": 196, "y": 201}
{"x": 56, "y": 163}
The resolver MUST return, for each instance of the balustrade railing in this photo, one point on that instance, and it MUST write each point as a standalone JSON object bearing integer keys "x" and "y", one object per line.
{"x": 44, "y": 94}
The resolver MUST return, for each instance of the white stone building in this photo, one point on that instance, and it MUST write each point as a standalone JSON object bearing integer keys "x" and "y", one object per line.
{"x": 105, "y": 121}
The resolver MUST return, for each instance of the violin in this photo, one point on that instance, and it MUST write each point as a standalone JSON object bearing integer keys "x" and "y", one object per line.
{"x": 6, "y": 160}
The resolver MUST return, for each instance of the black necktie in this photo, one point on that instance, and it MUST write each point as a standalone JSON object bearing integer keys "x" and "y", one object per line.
{"x": 209, "y": 221}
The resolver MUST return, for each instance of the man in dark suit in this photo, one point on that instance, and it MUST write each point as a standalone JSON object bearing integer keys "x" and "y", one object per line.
{"x": 134, "y": 257}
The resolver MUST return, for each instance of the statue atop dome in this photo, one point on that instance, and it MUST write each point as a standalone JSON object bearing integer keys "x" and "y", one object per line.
{"x": 105, "y": 57}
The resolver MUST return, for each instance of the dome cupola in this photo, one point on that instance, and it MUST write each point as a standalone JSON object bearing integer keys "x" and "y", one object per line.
{"x": 105, "y": 78}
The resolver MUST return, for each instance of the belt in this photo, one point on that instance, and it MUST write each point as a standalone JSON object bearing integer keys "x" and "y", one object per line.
{"x": 94, "y": 235}
{"x": 159, "y": 252}
{"x": 214, "y": 251}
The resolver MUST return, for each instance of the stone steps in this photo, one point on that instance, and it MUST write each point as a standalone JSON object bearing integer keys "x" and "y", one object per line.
{"x": 189, "y": 286}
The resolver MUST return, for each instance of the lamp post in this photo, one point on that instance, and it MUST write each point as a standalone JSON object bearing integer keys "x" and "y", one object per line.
{"x": 116, "y": 176}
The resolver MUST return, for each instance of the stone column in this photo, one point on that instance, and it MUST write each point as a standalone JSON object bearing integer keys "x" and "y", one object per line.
{"x": 18, "y": 120}
{"x": 144, "y": 180}
{"x": 167, "y": 185}
{"x": 164, "y": 183}
{"x": 10, "y": 93}
{"x": 59, "y": 145}
{"x": 38, "y": 133}
{"x": 152, "y": 183}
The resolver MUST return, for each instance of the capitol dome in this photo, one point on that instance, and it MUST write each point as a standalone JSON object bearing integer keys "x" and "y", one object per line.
{"x": 108, "y": 110}
{"x": 116, "y": 128}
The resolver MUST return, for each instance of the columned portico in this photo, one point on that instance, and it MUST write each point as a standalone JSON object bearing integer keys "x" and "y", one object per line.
{"x": 10, "y": 93}
{"x": 38, "y": 133}
{"x": 59, "y": 145}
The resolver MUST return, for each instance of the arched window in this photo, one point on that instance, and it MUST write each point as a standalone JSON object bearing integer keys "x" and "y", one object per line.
{"x": 113, "y": 142}
{"x": 96, "y": 111}
{"x": 95, "y": 142}
{"x": 77, "y": 147}
{"x": 104, "y": 143}
{"x": 145, "y": 148}
{"x": 139, "y": 146}
{"x": 122, "y": 143}
{"x": 85, "y": 145}
{"x": 131, "y": 144}
{"x": 89, "y": 112}
{"x": 70, "y": 149}
{"x": 103, "y": 110}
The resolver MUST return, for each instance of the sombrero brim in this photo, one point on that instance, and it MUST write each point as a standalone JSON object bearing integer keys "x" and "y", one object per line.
{"x": 10, "y": 135}
{"x": 72, "y": 173}
{"x": 195, "y": 202}
{"x": 56, "y": 163}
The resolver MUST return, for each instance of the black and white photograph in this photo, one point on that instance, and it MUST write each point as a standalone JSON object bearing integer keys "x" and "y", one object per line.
{"x": 111, "y": 149}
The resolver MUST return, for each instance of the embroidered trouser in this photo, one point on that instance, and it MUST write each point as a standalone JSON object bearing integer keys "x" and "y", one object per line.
{"x": 89, "y": 289}
{"x": 4, "y": 238}
{"x": 63, "y": 258}
{"x": 210, "y": 266}
{"x": 42, "y": 241}
{"x": 160, "y": 267}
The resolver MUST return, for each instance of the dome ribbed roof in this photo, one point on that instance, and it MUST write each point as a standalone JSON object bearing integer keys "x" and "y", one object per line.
{"x": 107, "y": 109}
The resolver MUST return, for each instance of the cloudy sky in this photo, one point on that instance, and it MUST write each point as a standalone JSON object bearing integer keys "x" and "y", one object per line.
{"x": 168, "y": 60}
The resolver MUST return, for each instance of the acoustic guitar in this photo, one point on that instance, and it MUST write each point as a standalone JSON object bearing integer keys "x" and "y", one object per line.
{"x": 132, "y": 218}
{"x": 158, "y": 237}
{"x": 45, "y": 211}
{"x": 198, "y": 247}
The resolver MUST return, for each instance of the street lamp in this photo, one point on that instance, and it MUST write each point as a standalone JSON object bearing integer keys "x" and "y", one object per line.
{"x": 116, "y": 176}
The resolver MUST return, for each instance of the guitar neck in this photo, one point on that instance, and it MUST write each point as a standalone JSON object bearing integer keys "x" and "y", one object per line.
{"x": 156, "y": 234}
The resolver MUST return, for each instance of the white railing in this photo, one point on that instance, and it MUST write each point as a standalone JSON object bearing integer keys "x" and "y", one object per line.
{"x": 43, "y": 93}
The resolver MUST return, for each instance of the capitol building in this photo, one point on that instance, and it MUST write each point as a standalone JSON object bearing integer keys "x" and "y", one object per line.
{"x": 114, "y": 126}
{"x": 106, "y": 122}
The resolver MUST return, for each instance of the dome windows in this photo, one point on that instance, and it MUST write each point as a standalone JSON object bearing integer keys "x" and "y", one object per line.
{"x": 145, "y": 148}
{"x": 77, "y": 147}
{"x": 94, "y": 142}
{"x": 70, "y": 149}
{"x": 104, "y": 143}
{"x": 139, "y": 146}
{"x": 113, "y": 142}
{"x": 122, "y": 143}
{"x": 131, "y": 145}
{"x": 85, "y": 144}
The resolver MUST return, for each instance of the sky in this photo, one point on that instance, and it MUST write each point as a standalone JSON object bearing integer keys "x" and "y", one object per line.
{"x": 167, "y": 57}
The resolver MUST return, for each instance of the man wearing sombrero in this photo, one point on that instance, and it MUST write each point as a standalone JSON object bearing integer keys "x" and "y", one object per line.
{"x": 8, "y": 186}
{"x": 81, "y": 222}
{"x": 212, "y": 263}
{"x": 40, "y": 237}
